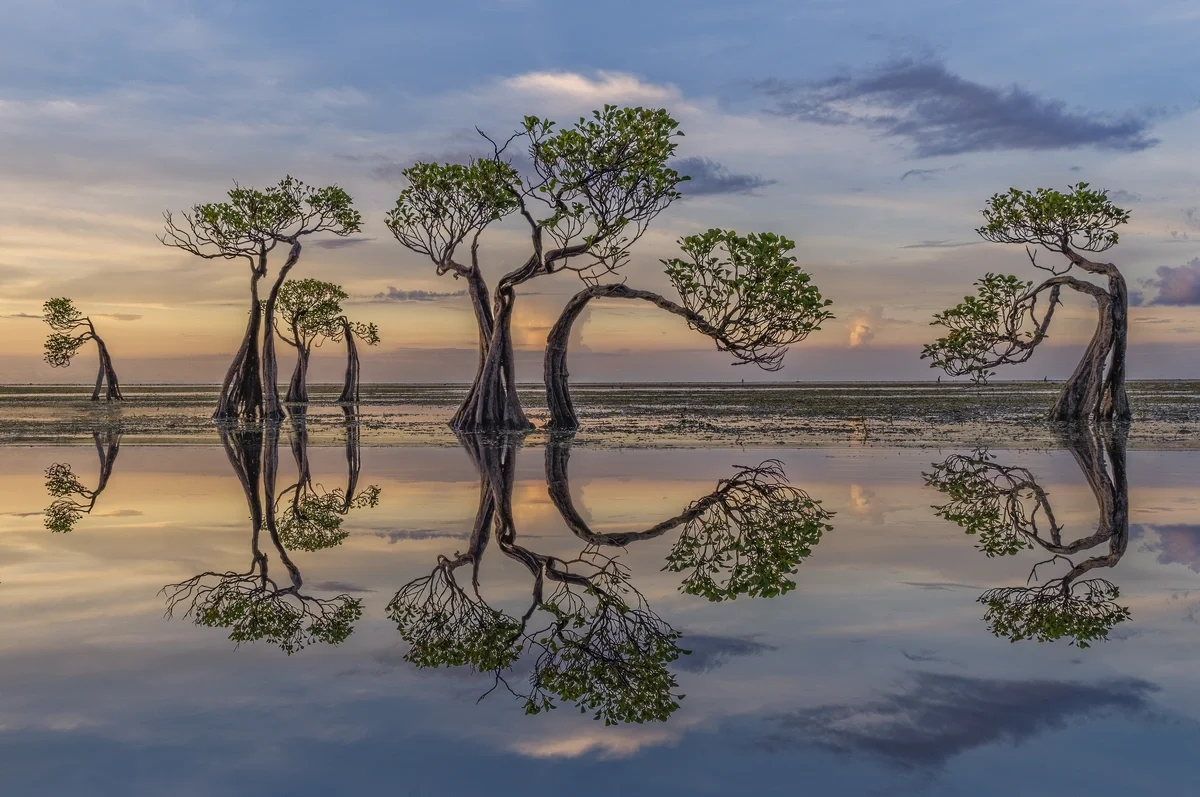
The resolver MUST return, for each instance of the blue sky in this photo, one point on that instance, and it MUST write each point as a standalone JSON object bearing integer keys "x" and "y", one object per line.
{"x": 869, "y": 132}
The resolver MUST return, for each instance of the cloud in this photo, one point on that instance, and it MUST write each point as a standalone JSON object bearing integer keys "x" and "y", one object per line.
{"x": 400, "y": 535}
{"x": 22, "y": 315}
{"x": 605, "y": 87}
{"x": 339, "y": 243}
{"x": 709, "y": 652}
{"x": 1121, "y": 195}
{"x": 940, "y": 113}
{"x": 709, "y": 177}
{"x": 337, "y": 586}
{"x": 937, "y": 716}
{"x": 119, "y": 316}
{"x": 1178, "y": 543}
{"x": 939, "y": 244}
{"x": 921, "y": 174}
{"x": 1178, "y": 286}
{"x": 864, "y": 327}
{"x": 394, "y": 294}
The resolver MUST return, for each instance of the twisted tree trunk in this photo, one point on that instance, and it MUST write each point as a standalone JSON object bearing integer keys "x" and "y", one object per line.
{"x": 298, "y": 387}
{"x": 241, "y": 392}
{"x": 350, "y": 386}
{"x": 492, "y": 405}
{"x": 554, "y": 370}
{"x": 1096, "y": 389}
{"x": 272, "y": 408}
{"x": 353, "y": 457}
{"x": 105, "y": 373}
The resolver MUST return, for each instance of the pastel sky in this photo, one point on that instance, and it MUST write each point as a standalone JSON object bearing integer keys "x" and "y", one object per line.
{"x": 871, "y": 133}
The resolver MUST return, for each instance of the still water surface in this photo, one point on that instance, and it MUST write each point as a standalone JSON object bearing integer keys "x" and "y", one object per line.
{"x": 222, "y": 619}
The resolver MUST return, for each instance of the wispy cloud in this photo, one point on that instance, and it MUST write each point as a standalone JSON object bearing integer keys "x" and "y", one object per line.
{"x": 340, "y": 243}
{"x": 709, "y": 177}
{"x": 939, "y": 244}
{"x": 119, "y": 316}
{"x": 940, "y": 113}
{"x": 710, "y": 652}
{"x": 394, "y": 294}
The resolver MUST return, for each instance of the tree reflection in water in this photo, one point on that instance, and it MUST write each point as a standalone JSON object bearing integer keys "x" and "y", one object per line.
{"x": 1010, "y": 512}
{"x": 253, "y": 604}
{"x": 593, "y": 639}
{"x": 70, "y": 499}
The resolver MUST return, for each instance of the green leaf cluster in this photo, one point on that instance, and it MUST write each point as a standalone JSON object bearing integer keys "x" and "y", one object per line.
{"x": 311, "y": 309}
{"x": 749, "y": 291}
{"x": 285, "y": 619}
{"x": 1080, "y": 218}
{"x": 446, "y": 202}
{"x": 1083, "y": 611}
{"x": 983, "y": 329}
{"x": 750, "y": 539}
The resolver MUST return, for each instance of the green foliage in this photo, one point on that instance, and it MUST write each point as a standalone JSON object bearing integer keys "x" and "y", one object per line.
{"x": 1082, "y": 611}
{"x": 367, "y": 333}
{"x": 313, "y": 523}
{"x": 446, "y": 626}
{"x": 253, "y": 609}
{"x": 64, "y": 512}
{"x": 604, "y": 178}
{"x": 749, "y": 291}
{"x": 1081, "y": 218}
{"x": 309, "y": 308}
{"x": 61, "y": 315}
{"x": 985, "y": 330}
{"x": 754, "y": 531}
{"x": 446, "y": 202}
{"x": 999, "y": 504}
{"x": 607, "y": 657}
{"x": 253, "y": 220}
{"x": 284, "y": 619}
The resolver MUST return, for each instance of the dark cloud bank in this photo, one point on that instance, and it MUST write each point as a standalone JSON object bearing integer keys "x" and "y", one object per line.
{"x": 940, "y": 113}
{"x": 937, "y": 717}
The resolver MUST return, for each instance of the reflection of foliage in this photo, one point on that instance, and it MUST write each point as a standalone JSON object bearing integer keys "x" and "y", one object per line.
{"x": 71, "y": 499}
{"x": 1084, "y": 611}
{"x": 755, "y": 528}
{"x": 447, "y": 626}
{"x": 64, "y": 512}
{"x": 605, "y": 651}
{"x": 992, "y": 501}
{"x": 1002, "y": 505}
{"x": 253, "y": 608}
{"x": 252, "y": 604}
{"x": 315, "y": 519}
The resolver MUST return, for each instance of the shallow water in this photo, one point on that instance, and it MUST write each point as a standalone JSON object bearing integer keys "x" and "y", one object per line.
{"x": 877, "y": 673}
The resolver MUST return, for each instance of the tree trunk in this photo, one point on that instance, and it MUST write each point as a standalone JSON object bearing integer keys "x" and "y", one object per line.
{"x": 298, "y": 387}
{"x": 1081, "y": 397}
{"x": 353, "y": 457}
{"x": 241, "y": 392}
{"x": 493, "y": 404}
{"x": 350, "y": 387}
{"x": 1116, "y": 401}
{"x": 554, "y": 370}
{"x": 272, "y": 407}
{"x": 482, "y": 305}
{"x": 107, "y": 374}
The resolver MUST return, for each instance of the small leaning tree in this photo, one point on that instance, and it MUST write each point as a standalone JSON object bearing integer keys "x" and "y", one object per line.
{"x": 744, "y": 292}
{"x": 592, "y": 190}
{"x": 249, "y": 226}
{"x": 1010, "y": 317}
{"x": 308, "y": 314}
{"x": 72, "y": 329}
{"x": 348, "y": 331}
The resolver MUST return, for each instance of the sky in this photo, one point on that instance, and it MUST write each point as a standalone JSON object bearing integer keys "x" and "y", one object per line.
{"x": 871, "y": 133}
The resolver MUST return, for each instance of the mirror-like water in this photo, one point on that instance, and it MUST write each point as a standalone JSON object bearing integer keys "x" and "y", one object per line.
{"x": 262, "y": 613}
